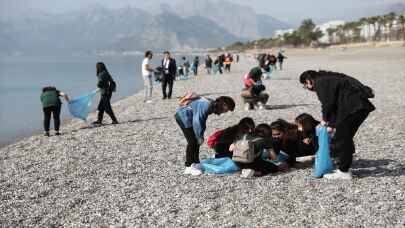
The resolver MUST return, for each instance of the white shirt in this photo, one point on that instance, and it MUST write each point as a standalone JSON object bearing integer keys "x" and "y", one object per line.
{"x": 145, "y": 72}
{"x": 166, "y": 65}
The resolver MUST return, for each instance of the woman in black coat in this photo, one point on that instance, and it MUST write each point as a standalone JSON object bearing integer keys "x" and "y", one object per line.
{"x": 345, "y": 106}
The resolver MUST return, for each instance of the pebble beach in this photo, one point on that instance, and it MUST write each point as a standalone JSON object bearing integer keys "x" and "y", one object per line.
{"x": 131, "y": 174}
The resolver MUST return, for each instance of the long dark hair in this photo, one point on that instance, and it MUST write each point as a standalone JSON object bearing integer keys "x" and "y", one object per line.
{"x": 100, "y": 67}
{"x": 308, "y": 123}
{"x": 48, "y": 88}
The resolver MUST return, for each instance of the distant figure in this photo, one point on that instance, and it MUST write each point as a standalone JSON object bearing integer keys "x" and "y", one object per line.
{"x": 273, "y": 61}
{"x": 228, "y": 62}
{"x": 237, "y": 58}
{"x": 221, "y": 60}
{"x": 208, "y": 64}
{"x": 217, "y": 66}
{"x": 345, "y": 106}
{"x": 192, "y": 120}
{"x": 147, "y": 71}
{"x": 195, "y": 64}
{"x": 51, "y": 105}
{"x": 186, "y": 66}
{"x": 280, "y": 58}
{"x": 169, "y": 74}
{"x": 107, "y": 86}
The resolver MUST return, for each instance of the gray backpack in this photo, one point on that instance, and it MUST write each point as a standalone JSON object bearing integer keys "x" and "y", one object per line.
{"x": 245, "y": 151}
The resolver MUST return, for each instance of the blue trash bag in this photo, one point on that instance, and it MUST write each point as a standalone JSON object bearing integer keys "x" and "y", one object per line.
{"x": 80, "y": 107}
{"x": 323, "y": 162}
{"x": 219, "y": 165}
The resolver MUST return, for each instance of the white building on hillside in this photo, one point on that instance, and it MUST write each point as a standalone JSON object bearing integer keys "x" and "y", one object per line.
{"x": 281, "y": 32}
{"x": 324, "y": 28}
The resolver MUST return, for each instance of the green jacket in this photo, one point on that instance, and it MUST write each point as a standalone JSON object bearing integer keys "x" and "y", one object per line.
{"x": 50, "y": 98}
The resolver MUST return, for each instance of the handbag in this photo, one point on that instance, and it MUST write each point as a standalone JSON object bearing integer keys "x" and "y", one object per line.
{"x": 245, "y": 149}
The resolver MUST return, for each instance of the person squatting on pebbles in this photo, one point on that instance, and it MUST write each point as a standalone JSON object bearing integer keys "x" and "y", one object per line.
{"x": 107, "y": 86}
{"x": 253, "y": 94}
{"x": 345, "y": 106}
{"x": 192, "y": 120}
{"x": 51, "y": 105}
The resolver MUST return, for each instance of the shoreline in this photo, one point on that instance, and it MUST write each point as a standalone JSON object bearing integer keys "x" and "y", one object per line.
{"x": 131, "y": 174}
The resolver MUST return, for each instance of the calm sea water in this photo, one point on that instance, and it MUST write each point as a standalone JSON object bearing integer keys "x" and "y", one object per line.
{"x": 21, "y": 81}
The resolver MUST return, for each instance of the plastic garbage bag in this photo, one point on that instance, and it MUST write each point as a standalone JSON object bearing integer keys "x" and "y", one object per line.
{"x": 219, "y": 165}
{"x": 80, "y": 106}
{"x": 323, "y": 162}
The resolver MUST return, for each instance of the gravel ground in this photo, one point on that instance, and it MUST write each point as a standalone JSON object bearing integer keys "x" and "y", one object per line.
{"x": 131, "y": 174}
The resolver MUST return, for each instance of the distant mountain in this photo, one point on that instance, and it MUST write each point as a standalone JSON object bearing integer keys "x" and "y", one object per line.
{"x": 241, "y": 21}
{"x": 102, "y": 29}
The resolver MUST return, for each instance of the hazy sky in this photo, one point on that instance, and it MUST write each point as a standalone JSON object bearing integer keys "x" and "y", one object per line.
{"x": 291, "y": 11}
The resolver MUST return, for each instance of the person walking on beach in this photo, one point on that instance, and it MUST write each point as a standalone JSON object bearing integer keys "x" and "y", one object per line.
{"x": 280, "y": 58}
{"x": 147, "y": 71}
{"x": 192, "y": 119}
{"x": 169, "y": 74}
{"x": 208, "y": 64}
{"x": 186, "y": 66}
{"x": 194, "y": 67}
{"x": 107, "y": 86}
{"x": 345, "y": 106}
{"x": 228, "y": 62}
{"x": 52, "y": 105}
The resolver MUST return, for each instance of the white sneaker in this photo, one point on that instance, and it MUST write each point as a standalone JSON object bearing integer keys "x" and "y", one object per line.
{"x": 247, "y": 107}
{"x": 194, "y": 170}
{"x": 148, "y": 101}
{"x": 338, "y": 175}
{"x": 260, "y": 106}
{"x": 247, "y": 173}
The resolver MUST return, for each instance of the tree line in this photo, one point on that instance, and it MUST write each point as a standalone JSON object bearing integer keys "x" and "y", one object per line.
{"x": 386, "y": 27}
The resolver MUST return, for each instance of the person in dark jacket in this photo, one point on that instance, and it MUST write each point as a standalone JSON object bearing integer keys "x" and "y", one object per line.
{"x": 169, "y": 74}
{"x": 51, "y": 105}
{"x": 280, "y": 58}
{"x": 208, "y": 64}
{"x": 107, "y": 86}
{"x": 230, "y": 135}
{"x": 192, "y": 121}
{"x": 345, "y": 106}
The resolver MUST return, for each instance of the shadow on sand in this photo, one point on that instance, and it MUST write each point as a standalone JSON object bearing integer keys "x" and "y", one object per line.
{"x": 275, "y": 107}
{"x": 378, "y": 168}
{"x": 125, "y": 122}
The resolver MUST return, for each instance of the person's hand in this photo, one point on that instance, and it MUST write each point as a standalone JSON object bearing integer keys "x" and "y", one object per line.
{"x": 232, "y": 147}
{"x": 306, "y": 141}
{"x": 323, "y": 123}
{"x": 330, "y": 130}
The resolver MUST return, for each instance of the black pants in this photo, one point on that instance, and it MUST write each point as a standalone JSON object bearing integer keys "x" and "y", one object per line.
{"x": 259, "y": 165}
{"x": 192, "y": 149}
{"x": 105, "y": 106}
{"x": 167, "y": 80}
{"x": 222, "y": 150}
{"x": 345, "y": 132}
{"x": 228, "y": 67}
{"x": 55, "y": 111}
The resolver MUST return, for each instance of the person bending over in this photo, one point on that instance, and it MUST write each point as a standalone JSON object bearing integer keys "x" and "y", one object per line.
{"x": 52, "y": 105}
{"x": 345, "y": 106}
{"x": 253, "y": 94}
{"x": 192, "y": 120}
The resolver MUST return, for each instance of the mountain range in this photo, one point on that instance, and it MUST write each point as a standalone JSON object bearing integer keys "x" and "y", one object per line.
{"x": 189, "y": 24}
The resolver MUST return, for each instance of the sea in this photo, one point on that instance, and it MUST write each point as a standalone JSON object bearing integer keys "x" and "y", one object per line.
{"x": 22, "y": 78}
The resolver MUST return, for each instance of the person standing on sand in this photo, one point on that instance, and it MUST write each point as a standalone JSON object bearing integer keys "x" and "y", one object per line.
{"x": 195, "y": 64}
{"x": 52, "y": 105}
{"x": 280, "y": 58}
{"x": 192, "y": 120}
{"x": 147, "y": 71}
{"x": 345, "y": 106}
{"x": 169, "y": 74}
{"x": 208, "y": 64}
{"x": 107, "y": 86}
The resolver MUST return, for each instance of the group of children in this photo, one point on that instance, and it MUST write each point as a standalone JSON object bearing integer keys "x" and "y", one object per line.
{"x": 276, "y": 146}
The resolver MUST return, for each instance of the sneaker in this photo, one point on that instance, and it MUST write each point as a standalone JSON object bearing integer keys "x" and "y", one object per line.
{"x": 247, "y": 107}
{"x": 115, "y": 122}
{"x": 47, "y": 134}
{"x": 148, "y": 101}
{"x": 338, "y": 175}
{"x": 57, "y": 133}
{"x": 193, "y": 170}
{"x": 97, "y": 122}
{"x": 260, "y": 106}
{"x": 247, "y": 173}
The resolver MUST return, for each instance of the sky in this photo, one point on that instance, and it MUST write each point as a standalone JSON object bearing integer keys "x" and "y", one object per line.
{"x": 291, "y": 11}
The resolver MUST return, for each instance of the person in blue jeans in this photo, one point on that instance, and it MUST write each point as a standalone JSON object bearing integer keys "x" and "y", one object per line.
{"x": 192, "y": 120}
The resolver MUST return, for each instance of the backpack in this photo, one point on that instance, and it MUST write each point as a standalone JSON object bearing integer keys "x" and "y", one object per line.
{"x": 212, "y": 139}
{"x": 188, "y": 98}
{"x": 245, "y": 149}
{"x": 113, "y": 85}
